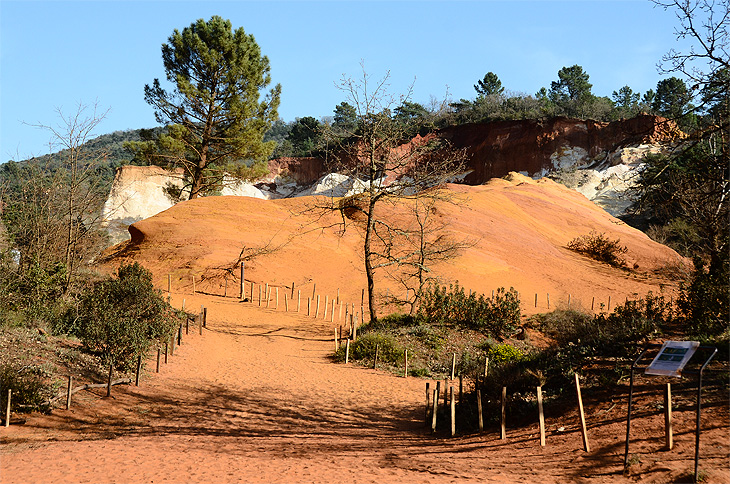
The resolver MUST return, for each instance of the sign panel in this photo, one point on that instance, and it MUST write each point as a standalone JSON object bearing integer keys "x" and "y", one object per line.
{"x": 672, "y": 358}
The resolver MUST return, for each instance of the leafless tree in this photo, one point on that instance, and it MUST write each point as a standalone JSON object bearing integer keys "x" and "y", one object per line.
{"x": 390, "y": 167}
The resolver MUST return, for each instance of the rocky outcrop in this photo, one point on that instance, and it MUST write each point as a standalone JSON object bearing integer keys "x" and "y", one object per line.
{"x": 597, "y": 159}
{"x": 539, "y": 147}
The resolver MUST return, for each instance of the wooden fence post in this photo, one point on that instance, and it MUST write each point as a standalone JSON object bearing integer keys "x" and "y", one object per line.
{"x": 461, "y": 388}
{"x": 139, "y": 369}
{"x": 541, "y": 416}
{"x": 299, "y": 300}
{"x": 405, "y": 369}
{"x": 453, "y": 411}
{"x": 668, "y": 416}
{"x": 453, "y": 366}
{"x": 583, "y": 430}
{"x": 68, "y": 392}
{"x": 205, "y": 317}
{"x": 268, "y": 295}
{"x": 242, "y": 272}
{"x": 428, "y": 402}
{"x": 225, "y": 287}
{"x": 503, "y": 419}
{"x": 347, "y": 352}
{"x": 193, "y": 284}
{"x": 7, "y": 412}
{"x": 336, "y": 341}
{"x": 479, "y": 410}
{"x": 286, "y": 304}
{"x": 109, "y": 382}
{"x": 548, "y": 300}
{"x": 157, "y": 370}
{"x": 309, "y": 305}
{"x": 314, "y": 290}
{"x": 434, "y": 410}
{"x": 326, "y": 305}
{"x": 316, "y": 314}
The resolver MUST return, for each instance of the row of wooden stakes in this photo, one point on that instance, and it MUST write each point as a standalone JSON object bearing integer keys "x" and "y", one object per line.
{"x": 449, "y": 403}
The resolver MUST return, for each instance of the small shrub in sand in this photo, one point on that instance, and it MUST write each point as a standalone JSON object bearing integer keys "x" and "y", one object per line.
{"x": 600, "y": 247}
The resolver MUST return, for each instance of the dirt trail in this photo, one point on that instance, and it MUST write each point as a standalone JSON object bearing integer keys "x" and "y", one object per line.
{"x": 256, "y": 399}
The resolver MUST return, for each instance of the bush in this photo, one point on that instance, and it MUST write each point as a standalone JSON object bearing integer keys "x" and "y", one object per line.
{"x": 703, "y": 304}
{"x": 389, "y": 351}
{"x": 453, "y": 306}
{"x": 600, "y": 247}
{"x": 29, "y": 384}
{"x": 119, "y": 318}
{"x": 617, "y": 334}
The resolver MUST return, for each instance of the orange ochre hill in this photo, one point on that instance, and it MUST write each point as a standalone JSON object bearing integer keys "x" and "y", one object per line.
{"x": 517, "y": 231}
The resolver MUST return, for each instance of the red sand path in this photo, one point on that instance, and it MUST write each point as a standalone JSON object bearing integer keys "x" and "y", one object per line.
{"x": 255, "y": 399}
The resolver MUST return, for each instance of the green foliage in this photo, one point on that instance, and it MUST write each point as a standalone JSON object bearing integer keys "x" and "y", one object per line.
{"x": 619, "y": 333}
{"x": 121, "y": 317}
{"x": 572, "y": 91}
{"x": 703, "y": 304}
{"x": 305, "y": 136}
{"x": 672, "y": 98}
{"x": 214, "y": 116}
{"x": 504, "y": 353}
{"x": 489, "y": 85}
{"x": 493, "y": 316}
{"x": 389, "y": 351}
{"x": 29, "y": 383}
{"x": 600, "y": 247}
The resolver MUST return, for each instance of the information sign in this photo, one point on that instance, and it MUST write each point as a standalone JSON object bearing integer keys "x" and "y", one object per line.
{"x": 672, "y": 358}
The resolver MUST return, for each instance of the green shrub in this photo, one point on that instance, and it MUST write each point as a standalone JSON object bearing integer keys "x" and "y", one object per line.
{"x": 617, "y": 334}
{"x": 505, "y": 353}
{"x": 389, "y": 351}
{"x": 600, "y": 247}
{"x": 29, "y": 383}
{"x": 494, "y": 316}
{"x": 704, "y": 306}
{"x": 120, "y": 317}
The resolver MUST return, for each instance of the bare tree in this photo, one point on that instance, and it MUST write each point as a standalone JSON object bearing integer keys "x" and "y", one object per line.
{"x": 421, "y": 245}
{"x": 53, "y": 212}
{"x": 389, "y": 166}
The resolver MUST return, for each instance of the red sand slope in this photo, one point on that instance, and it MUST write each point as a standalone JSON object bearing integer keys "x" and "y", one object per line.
{"x": 518, "y": 230}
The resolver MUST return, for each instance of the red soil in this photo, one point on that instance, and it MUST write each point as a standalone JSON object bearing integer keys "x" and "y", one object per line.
{"x": 256, "y": 399}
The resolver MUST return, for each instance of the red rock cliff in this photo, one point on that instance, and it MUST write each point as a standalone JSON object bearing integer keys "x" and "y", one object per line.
{"x": 532, "y": 146}
{"x": 497, "y": 148}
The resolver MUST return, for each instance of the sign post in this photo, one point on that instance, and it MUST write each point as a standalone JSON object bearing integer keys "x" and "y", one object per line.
{"x": 671, "y": 359}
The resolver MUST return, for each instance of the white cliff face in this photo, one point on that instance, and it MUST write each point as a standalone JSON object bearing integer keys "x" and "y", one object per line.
{"x": 137, "y": 192}
{"x": 607, "y": 183}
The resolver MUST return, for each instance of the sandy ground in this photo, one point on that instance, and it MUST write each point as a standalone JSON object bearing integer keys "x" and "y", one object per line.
{"x": 256, "y": 399}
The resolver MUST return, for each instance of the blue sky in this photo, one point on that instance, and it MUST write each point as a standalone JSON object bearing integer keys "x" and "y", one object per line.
{"x": 57, "y": 54}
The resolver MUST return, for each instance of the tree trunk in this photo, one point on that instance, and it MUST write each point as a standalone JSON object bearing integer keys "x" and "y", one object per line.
{"x": 368, "y": 257}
